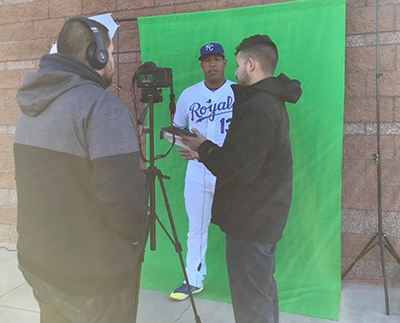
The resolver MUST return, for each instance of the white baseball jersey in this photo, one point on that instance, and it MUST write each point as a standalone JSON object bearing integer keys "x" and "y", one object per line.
{"x": 210, "y": 112}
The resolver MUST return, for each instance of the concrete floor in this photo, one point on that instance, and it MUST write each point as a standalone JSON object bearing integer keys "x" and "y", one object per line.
{"x": 360, "y": 303}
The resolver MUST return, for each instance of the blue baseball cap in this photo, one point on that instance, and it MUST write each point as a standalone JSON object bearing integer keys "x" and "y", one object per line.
{"x": 211, "y": 48}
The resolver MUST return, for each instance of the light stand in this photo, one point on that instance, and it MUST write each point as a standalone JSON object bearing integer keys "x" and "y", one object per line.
{"x": 379, "y": 237}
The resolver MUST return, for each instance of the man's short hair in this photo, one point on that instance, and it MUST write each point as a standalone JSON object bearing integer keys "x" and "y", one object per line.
{"x": 76, "y": 36}
{"x": 262, "y": 49}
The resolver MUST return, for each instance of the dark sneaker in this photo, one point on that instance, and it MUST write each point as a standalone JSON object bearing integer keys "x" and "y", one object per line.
{"x": 182, "y": 292}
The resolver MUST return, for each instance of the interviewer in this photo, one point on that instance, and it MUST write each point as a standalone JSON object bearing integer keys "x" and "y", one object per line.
{"x": 254, "y": 178}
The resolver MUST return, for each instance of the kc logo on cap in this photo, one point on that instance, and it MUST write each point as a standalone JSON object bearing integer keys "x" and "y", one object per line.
{"x": 211, "y": 48}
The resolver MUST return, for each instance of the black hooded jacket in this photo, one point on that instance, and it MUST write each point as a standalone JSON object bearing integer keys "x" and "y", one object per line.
{"x": 81, "y": 192}
{"x": 254, "y": 165}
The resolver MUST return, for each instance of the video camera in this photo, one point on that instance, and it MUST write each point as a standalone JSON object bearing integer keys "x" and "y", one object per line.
{"x": 150, "y": 79}
{"x": 149, "y": 75}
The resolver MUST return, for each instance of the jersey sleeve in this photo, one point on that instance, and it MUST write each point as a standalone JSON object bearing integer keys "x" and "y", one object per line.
{"x": 180, "y": 117}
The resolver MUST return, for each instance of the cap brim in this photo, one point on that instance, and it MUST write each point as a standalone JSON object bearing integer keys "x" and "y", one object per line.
{"x": 202, "y": 56}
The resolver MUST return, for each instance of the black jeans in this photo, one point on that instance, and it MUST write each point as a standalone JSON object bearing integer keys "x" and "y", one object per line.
{"x": 57, "y": 306}
{"x": 251, "y": 268}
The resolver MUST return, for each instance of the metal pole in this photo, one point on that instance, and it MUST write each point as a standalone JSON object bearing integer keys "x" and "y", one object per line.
{"x": 117, "y": 21}
{"x": 152, "y": 184}
{"x": 125, "y": 19}
{"x": 118, "y": 75}
{"x": 379, "y": 168}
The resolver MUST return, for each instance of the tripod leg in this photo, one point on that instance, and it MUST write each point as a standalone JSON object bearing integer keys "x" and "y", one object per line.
{"x": 177, "y": 244}
{"x": 381, "y": 238}
{"x": 362, "y": 253}
{"x": 390, "y": 248}
{"x": 151, "y": 201}
{"x": 137, "y": 288}
{"x": 141, "y": 248}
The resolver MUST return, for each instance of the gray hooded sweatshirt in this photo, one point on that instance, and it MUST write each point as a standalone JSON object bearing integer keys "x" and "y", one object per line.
{"x": 81, "y": 192}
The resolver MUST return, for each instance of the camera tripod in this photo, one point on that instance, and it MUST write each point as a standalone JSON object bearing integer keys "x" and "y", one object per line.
{"x": 152, "y": 173}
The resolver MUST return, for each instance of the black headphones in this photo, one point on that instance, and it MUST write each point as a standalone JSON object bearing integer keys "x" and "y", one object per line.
{"x": 96, "y": 54}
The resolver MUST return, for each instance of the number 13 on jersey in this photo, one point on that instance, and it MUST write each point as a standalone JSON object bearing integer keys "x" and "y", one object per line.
{"x": 225, "y": 124}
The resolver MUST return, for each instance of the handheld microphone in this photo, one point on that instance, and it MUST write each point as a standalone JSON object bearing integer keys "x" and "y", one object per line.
{"x": 116, "y": 86}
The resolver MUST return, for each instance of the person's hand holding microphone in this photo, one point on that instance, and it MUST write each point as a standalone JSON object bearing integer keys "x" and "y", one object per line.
{"x": 193, "y": 142}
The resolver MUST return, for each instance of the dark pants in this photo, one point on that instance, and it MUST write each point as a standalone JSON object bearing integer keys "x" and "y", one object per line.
{"x": 251, "y": 268}
{"x": 59, "y": 307}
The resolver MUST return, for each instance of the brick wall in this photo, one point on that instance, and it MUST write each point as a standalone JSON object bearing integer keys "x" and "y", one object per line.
{"x": 28, "y": 27}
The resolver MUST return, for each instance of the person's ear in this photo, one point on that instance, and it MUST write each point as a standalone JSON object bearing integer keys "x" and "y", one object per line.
{"x": 251, "y": 63}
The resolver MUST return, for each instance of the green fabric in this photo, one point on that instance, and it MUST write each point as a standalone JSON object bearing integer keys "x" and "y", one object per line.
{"x": 310, "y": 36}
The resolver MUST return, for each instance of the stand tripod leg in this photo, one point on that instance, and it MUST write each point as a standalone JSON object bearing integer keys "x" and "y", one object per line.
{"x": 381, "y": 238}
{"x": 391, "y": 250}
{"x": 362, "y": 253}
{"x": 177, "y": 244}
{"x": 140, "y": 247}
{"x": 137, "y": 288}
{"x": 151, "y": 209}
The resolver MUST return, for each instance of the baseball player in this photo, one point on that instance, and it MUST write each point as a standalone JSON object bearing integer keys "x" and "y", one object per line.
{"x": 207, "y": 106}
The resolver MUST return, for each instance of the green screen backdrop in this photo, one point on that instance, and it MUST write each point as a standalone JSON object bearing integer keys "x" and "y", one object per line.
{"x": 310, "y": 36}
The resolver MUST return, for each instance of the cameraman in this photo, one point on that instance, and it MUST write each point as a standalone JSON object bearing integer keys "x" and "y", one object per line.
{"x": 81, "y": 192}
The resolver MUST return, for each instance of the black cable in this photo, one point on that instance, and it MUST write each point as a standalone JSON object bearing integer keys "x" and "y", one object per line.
{"x": 139, "y": 127}
{"x": 11, "y": 250}
{"x": 182, "y": 314}
{"x": 137, "y": 116}
{"x": 202, "y": 221}
{"x": 168, "y": 151}
{"x": 172, "y": 105}
{"x": 172, "y": 110}
{"x": 202, "y": 216}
